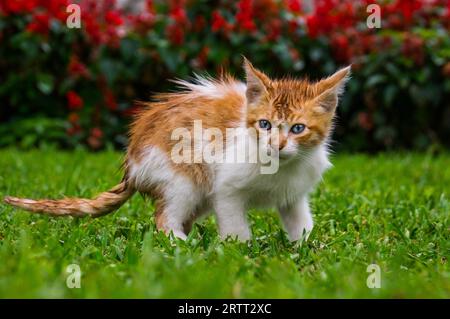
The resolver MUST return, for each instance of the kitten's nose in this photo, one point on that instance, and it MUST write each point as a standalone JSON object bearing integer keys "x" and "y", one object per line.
{"x": 282, "y": 143}
{"x": 279, "y": 141}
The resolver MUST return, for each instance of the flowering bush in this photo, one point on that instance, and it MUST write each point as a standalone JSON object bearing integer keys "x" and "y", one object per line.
{"x": 69, "y": 87}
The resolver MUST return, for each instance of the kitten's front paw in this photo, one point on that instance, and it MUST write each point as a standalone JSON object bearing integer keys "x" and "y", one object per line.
{"x": 304, "y": 230}
{"x": 176, "y": 234}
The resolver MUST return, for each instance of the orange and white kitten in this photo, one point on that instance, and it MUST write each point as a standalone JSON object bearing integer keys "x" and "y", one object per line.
{"x": 299, "y": 111}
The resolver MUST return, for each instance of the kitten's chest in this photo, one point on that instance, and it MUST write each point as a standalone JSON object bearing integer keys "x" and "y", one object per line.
{"x": 290, "y": 182}
{"x": 282, "y": 188}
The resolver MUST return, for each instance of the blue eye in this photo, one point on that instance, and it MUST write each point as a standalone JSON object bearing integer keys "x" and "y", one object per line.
{"x": 297, "y": 128}
{"x": 265, "y": 124}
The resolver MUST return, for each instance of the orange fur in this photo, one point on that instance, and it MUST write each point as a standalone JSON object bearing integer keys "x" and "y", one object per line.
{"x": 79, "y": 207}
{"x": 154, "y": 125}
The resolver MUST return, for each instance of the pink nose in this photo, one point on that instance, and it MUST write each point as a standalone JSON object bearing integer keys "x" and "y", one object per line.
{"x": 282, "y": 144}
{"x": 282, "y": 141}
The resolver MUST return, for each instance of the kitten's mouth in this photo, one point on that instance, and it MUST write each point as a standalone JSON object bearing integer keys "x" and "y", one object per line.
{"x": 279, "y": 153}
{"x": 284, "y": 155}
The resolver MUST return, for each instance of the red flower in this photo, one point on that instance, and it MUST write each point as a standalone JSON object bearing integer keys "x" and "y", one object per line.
{"x": 92, "y": 28}
{"x": 75, "y": 129}
{"x": 114, "y": 18}
{"x": 179, "y": 15}
{"x": 248, "y": 25}
{"x": 407, "y": 8}
{"x": 175, "y": 34}
{"x": 312, "y": 23}
{"x": 202, "y": 58}
{"x": 176, "y": 29}
{"x": 94, "y": 140}
{"x": 244, "y": 17}
{"x": 293, "y": 26}
{"x": 112, "y": 36}
{"x": 96, "y": 132}
{"x": 341, "y": 48}
{"x": 446, "y": 70}
{"x": 110, "y": 100}
{"x": 344, "y": 16}
{"x": 294, "y": 6}
{"x": 323, "y": 20}
{"x": 74, "y": 101}
{"x": 74, "y": 118}
{"x": 40, "y": 23}
{"x": 76, "y": 68}
{"x": 57, "y": 8}
{"x": 412, "y": 48}
{"x": 263, "y": 10}
{"x": 274, "y": 29}
{"x": 132, "y": 111}
{"x": 218, "y": 22}
{"x": 142, "y": 22}
{"x": 295, "y": 55}
{"x": 17, "y": 6}
{"x": 365, "y": 121}
{"x": 150, "y": 6}
{"x": 447, "y": 13}
{"x": 367, "y": 42}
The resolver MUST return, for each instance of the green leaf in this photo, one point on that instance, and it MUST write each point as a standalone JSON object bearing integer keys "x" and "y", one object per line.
{"x": 389, "y": 95}
{"x": 375, "y": 79}
{"x": 110, "y": 69}
{"x": 45, "y": 83}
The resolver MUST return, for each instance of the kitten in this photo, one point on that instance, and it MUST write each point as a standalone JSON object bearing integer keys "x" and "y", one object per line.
{"x": 299, "y": 111}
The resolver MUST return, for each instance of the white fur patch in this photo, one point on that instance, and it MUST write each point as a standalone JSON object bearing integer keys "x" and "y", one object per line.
{"x": 181, "y": 197}
{"x": 206, "y": 86}
{"x": 294, "y": 179}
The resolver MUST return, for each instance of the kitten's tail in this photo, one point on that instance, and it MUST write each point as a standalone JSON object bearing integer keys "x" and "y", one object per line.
{"x": 101, "y": 205}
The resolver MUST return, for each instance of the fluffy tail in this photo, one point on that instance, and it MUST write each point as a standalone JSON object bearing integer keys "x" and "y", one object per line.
{"x": 101, "y": 205}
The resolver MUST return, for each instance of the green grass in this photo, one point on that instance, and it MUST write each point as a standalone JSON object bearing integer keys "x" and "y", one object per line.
{"x": 391, "y": 209}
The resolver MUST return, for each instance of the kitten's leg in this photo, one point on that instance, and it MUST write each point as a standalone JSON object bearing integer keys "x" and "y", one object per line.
{"x": 176, "y": 213}
{"x": 297, "y": 219}
{"x": 168, "y": 223}
{"x": 231, "y": 217}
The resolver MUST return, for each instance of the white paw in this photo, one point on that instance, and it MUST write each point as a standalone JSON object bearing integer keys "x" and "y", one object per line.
{"x": 178, "y": 234}
{"x": 303, "y": 230}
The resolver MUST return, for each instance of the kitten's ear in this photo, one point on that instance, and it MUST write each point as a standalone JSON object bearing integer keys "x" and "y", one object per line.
{"x": 257, "y": 82}
{"x": 329, "y": 90}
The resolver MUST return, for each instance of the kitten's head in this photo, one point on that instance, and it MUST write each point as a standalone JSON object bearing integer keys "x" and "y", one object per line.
{"x": 302, "y": 111}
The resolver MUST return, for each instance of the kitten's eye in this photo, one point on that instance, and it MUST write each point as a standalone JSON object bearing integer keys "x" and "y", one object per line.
{"x": 265, "y": 124}
{"x": 297, "y": 128}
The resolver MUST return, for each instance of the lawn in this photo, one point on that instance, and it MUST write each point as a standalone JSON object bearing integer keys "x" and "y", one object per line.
{"x": 391, "y": 210}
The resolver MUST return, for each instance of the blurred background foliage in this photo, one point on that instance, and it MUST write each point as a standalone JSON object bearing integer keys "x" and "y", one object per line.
{"x": 68, "y": 88}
